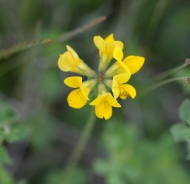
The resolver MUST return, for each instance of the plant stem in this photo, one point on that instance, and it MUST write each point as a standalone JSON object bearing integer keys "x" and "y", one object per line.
{"x": 72, "y": 162}
{"x": 159, "y": 84}
{"x": 169, "y": 72}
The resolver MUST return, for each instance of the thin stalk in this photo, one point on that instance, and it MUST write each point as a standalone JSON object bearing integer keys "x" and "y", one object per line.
{"x": 159, "y": 84}
{"x": 169, "y": 72}
{"x": 71, "y": 34}
{"x": 6, "y": 53}
{"x": 72, "y": 162}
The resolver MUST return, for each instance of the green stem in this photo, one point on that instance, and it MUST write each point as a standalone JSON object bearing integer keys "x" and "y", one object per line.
{"x": 159, "y": 84}
{"x": 72, "y": 162}
{"x": 169, "y": 72}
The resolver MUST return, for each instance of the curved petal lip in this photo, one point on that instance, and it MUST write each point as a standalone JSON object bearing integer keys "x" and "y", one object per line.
{"x": 96, "y": 101}
{"x": 98, "y": 41}
{"x": 72, "y": 51}
{"x": 73, "y": 82}
{"x": 122, "y": 78}
{"x": 123, "y": 68}
{"x": 118, "y": 53}
{"x": 129, "y": 89}
{"x": 112, "y": 101}
{"x": 109, "y": 38}
{"x": 134, "y": 63}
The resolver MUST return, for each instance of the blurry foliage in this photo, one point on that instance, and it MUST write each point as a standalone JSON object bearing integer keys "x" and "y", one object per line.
{"x": 54, "y": 177}
{"x": 172, "y": 43}
{"x": 181, "y": 130}
{"x": 133, "y": 159}
{"x": 10, "y": 128}
{"x": 184, "y": 88}
{"x": 5, "y": 177}
{"x": 41, "y": 123}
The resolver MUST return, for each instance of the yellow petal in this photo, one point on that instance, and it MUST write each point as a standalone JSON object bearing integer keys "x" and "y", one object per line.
{"x": 119, "y": 44}
{"x": 66, "y": 62}
{"x": 107, "y": 110}
{"x": 118, "y": 53}
{"x": 96, "y": 101}
{"x": 73, "y": 82}
{"x": 76, "y": 99}
{"x": 103, "y": 105}
{"x": 112, "y": 101}
{"x": 123, "y": 68}
{"x": 134, "y": 63}
{"x": 115, "y": 88}
{"x": 123, "y": 96}
{"x": 99, "y": 42}
{"x": 122, "y": 78}
{"x": 75, "y": 55}
{"x": 128, "y": 90}
{"x": 103, "y": 109}
{"x": 98, "y": 111}
{"x": 109, "y": 38}
{"x": 85, "y": 91}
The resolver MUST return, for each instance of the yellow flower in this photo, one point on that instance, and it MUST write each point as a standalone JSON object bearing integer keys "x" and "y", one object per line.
{"x": 120, "y": 89}
{"x": 106, "y": 48}
{"x": 78, "y": 97}
{"x": 115, "y": 78}
{"x": 103, "y": 105}
{"x": 132, "y": 63}
{"x": 70, "y": 62}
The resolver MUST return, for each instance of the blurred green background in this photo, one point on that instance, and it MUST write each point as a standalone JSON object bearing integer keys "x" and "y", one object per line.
{"x": 38, "y": 130}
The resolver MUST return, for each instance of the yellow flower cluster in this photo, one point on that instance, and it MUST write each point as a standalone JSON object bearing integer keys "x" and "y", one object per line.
{"x": 113, "y": 79}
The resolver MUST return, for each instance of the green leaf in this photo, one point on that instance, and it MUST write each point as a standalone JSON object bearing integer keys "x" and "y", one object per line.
{"x": 184, "y": 110}
{"x": 180, "y": 132}
{"x": 7, "y": 115}
{"x": 188, "y": 139}
{"x": 18, "y": 133}
{"x": 23, "y": 181}
{"x": 115, "y": 179}
{"x": 4, "y": 156}
{"x": 188, "y": 120}
{"x": 101, "y": 166}
{"x": 2, "y": 135}
{"x": 5, "y": 177}
{"x": 56, "y": 176}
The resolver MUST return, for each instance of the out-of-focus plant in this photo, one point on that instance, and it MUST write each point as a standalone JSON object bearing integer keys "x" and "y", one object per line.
{"x": 181, "y": 130}
{"x": 55, "y": 176}
{"x": 135, "y": 159}
{"x": 37, "y": 127}
{"x": 11, "y": 130}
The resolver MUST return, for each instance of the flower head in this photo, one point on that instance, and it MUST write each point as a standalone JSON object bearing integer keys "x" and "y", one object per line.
{"x": 106, "y": 48}
{"x": 114, "y": 79}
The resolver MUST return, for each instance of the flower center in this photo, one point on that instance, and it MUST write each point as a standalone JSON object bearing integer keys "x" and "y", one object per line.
{"x": 100, "y": 78}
